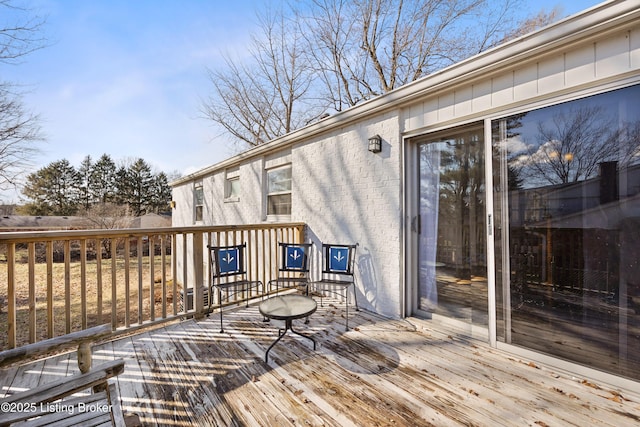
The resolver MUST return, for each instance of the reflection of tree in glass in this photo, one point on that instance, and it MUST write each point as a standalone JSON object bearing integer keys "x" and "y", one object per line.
{"x": 461, "y": 201}
{"x": 571, "y": 146}
{"x": 501, "y": 147}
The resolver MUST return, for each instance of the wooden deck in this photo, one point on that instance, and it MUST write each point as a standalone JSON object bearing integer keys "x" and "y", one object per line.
{"x": 381, "y": 373}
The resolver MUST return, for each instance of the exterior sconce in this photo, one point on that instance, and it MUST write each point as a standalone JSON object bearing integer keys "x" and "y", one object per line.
{"x": 173, "y": 204}
{"x": 375, "y": 144}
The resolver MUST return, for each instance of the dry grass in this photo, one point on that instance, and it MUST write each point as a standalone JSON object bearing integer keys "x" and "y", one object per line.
{"x": 68, "y": 313}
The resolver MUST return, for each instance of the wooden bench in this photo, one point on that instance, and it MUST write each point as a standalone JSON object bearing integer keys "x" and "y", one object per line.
{"x": 83, "y": 399}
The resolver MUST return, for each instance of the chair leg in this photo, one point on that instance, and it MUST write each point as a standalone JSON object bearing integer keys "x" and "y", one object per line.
{"x": 346, "y": 303}
{"x": 264, "y": 318}
{"x": 220, "y": 305}
{"x": 355, "y": 297}
{"x": 346, "y": 298}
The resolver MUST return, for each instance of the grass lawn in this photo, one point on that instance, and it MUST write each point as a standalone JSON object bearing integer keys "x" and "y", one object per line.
{"x": 72, "y": 309}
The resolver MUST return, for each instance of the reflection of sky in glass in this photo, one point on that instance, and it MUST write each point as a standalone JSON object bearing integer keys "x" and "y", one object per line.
{"x": 567, "y": 142}
{"x": 280, "y": 180}
{"x": 622, "y": 104}
{"x": 199, "y": 195}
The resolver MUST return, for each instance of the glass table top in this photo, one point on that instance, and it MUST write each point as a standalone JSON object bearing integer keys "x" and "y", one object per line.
{"x": 288, "y": 307}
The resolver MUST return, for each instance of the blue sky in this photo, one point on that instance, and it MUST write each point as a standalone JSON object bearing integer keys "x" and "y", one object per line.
{"x": 127, "y": 77}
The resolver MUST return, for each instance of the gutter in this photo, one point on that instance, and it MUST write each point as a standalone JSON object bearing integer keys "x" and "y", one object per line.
{"x": 607, "y": 17}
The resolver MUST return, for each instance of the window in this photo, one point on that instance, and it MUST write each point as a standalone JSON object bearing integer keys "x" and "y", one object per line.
{"x": 198, "y": 197}
{"x": 232, "y": 186}
{"x": 279, "y": 191}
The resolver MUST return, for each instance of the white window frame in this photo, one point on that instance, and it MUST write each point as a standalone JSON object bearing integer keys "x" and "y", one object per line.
{"x": 232, "y": 185}
{"x": 271, "y": 192}
{"x": 198, "y": 202}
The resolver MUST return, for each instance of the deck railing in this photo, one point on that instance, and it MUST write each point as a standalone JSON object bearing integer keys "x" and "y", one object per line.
{"x": 56, "y": 282}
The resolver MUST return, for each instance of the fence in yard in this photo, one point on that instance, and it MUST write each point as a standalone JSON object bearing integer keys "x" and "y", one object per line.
{"x": 57, "y": 282}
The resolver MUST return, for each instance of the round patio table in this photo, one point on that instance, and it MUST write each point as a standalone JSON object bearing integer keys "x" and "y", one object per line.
{"x": 287, "y": 308}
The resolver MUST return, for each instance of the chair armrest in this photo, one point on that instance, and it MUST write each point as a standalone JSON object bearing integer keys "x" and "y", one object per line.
{"x": 68, "y": 385}
{"x": 39, "y": 348}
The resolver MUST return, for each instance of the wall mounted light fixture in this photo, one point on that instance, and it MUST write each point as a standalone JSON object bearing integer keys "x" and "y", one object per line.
{"x": 375, "y": 144}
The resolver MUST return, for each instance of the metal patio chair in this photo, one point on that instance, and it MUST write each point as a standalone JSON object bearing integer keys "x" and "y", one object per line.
{"x": 293, "y": 267}
{"x": 229, "y": 274}
{"x": 337, "y": 273}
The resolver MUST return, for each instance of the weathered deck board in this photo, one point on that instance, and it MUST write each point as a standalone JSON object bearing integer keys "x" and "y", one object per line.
{"x": 380, "y": 373}
{"x": 246, "y": 374}
{"x": 134, "y": 392}
{"x": 337, "y": 385}
{"x": 481, "y": 391}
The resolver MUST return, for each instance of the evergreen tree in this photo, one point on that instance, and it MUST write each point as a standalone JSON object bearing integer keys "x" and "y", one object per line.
{"x": 84, "y": 177}
{"x": 96, "y": 188}
{"x": 161, "y": 193}
{"x": 53, "y": 189}
{"x": 135, "y": 187}
{"x": 102, "y": 181}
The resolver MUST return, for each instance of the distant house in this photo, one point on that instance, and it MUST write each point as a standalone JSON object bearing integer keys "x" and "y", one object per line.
{"x": 484, "y": 207}
{"x": 151, "y": 220}
{"x": 42, "y": 223}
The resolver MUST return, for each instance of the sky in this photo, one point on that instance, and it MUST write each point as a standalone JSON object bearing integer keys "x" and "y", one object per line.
{"x": 128, "y": 78}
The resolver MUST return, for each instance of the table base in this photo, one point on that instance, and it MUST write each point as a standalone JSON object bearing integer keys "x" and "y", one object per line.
{"x": 287, "y": 326}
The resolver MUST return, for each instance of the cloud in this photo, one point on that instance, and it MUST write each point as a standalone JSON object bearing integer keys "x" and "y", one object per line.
{"x": 515, "y": 145}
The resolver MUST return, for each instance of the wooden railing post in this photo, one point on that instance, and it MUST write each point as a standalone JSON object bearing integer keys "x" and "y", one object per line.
{"x": 151, "y": 247}
{"x": 50, "y": 317}
{"x": 83, "y": 283}
{"x": 127, "y": 283}
{"x": 11, "y": 295}
{"x": 198, "y": 273}
{"x": 140, "y": 284}
{"x": 32, "y": 292}
{"x": 67, "y": 286}
{"x": 174, "y": 273}
{"x": 185, "y": 273}
{"x": 114, "y": 287}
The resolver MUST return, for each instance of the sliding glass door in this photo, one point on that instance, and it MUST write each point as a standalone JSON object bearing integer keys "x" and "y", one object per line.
{"x": 567, "y": 204}
{"x": 452, "y": 276}
{"x": 566, "y": 212}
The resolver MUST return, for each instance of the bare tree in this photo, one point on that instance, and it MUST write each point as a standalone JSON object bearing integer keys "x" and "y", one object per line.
{"x": 108, "y": 216}
{"x": 329, "y": 55}
{"x": 19, "y": 129}
{"x": 21, "y": 37}
{"x": 365, "y": 48}
{"x": 543, "y": 18}
{"x": 265, "y": 98}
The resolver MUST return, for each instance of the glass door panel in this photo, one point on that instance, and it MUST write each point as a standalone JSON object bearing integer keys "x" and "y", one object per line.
{"x": 567, "y": 205}
{"x": 452, "y": 234}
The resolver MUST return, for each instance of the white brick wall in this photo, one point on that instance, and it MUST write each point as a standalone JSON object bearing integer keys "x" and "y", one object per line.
{"x": 347, "y": 194}
{"x": 343, "y": 192}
